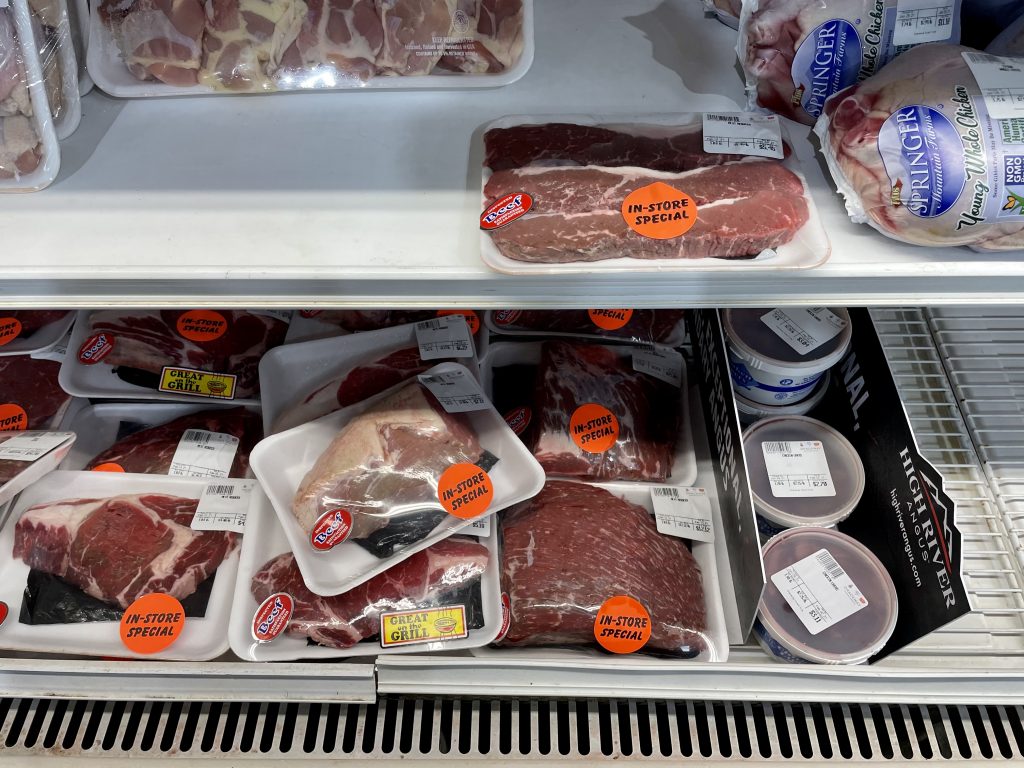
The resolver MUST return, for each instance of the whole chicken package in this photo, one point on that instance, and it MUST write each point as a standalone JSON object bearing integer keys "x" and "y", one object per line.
{"x": 929, "y": 151}
{"x": 797, "y": 53}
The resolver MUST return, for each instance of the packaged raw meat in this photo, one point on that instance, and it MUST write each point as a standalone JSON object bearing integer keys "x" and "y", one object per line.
{"x": 1009, "y": 42}
{"x": 845, "y": 611}
{"x": 361, "y": 489}
{"x": 29, "y": 153}
{"x": 923, "y": 155}
{"x": 51, "y": 28}
{"x": 726, "y": 11}
{"x": 649, "y": 192}
{"x": 639, "y": 326}
{"x": 30, "y": 394}
{"x": 165, "y": 439}
{"x": 797, "y": 53}
{"x": 162, "y": 48}
{"x": 25, "y": 331}
{"x": 78, "y": 18}
{"x": 88, "y": 551}
{"x": 600, "y": 418}
{"x": 27, "y": 456}
{"x": 569, "y": 556}
{"x": 171, "y": 354}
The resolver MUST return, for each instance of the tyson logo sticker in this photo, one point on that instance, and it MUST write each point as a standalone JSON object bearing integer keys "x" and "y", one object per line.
{"x": 505, "y": 210}
{"x": 330, "y": 529}
{"x": 272, "y": 617}
{"x": 518, "y": 419}
{"x": 95, "y": 348}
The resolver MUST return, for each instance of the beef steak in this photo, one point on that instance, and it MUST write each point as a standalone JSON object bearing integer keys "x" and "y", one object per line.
{"x": 31, "y": 386}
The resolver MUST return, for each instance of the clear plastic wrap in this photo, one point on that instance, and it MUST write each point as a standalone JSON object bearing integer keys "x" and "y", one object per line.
{"x": 573, "y": 548}
{"x": 165, "y": 47}
{"x": 918, "y": 156}
{"x": 638, "y": 326}
{"x": 726, "y": 11}
{"x": 51, "y": 29}
{"x": 797, "y": 53}
{"x": 25, "y": 456}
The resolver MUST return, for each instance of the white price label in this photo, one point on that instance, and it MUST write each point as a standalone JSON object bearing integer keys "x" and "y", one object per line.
{"x": 683, "y": 512}
{"x": 444, "y": 337}
{"x": 797, "y": 469}
{"x": 660, "y": 362}
{"x": 55, "y": 352}
{"x": 1001, "y": 80}
{"x": 819, "y": 591}
{"x": 923, "y": 21}
{"x": 457, "y": 391}
{"x": 29, "y": 446}
{"x": 804, "y": 329}
{"x": 480, "y": 528}
{"x": 204, "y": 454}
{"x": 743, "y": 133}
{"x": 224, "y": 507}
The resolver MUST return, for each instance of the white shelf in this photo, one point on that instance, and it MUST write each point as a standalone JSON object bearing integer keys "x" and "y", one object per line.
{"x": 371, "y": 198}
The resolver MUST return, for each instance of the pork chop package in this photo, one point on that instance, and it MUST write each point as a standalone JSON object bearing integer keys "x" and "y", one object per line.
{"x": 27, "y": 456}
{"x": 165, "y": 439}
{"x": 187, "y": 47}
{"x": 102, "y": 564}
{"x": 26, "y": 331}
{"x": 928, "y": 151}
{"x": 30, "y": 393}
{"x": 171, "y": 354}
{"x": 444, "y": 597}
{"x": 638, "y": 326}
{"x": 585, "y": 565}
{"x": 364, "y": 488}
{"x": 29, "y": 152}
{"x": 583, "y": 193}
{"x": 302, "y": 382}
{"x": 797, "y": 53}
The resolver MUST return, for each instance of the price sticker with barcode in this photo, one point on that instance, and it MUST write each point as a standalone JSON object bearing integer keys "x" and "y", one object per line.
{"x": 457, "y": 391}
{"x": 743, "y": 133}
{"x": 797, "y": 469}
{"x": 224, "y": 506}
{"x": 923, "y": 21}
{"x": 662, "y": 363}
{"x": 819, "y": 591}
{"x": 683, "y": 512}
{"x": 201, "y": 453}
{"x": 804, "y": 329}
{"x": 29, "y": 446}
{"x": 1001, "y": 80}
{"x": 481, "y": 528}
{"x": 444, "y": 337}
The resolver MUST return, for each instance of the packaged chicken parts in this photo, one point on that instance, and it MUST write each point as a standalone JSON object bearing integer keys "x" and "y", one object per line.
{"x": 928, "y": 151}
{"x": 583, "y": 194}
{"x": 162, "y": 48}
{"x": 51, "y": 30}
{"x": 26, "y": 331}
{"x": 364, "y": 488}
{"x": 797, "y": 53}
{"x": 29, "y": 153}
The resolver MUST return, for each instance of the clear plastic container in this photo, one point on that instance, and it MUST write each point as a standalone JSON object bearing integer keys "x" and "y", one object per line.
{"x": 768, "y": 369}
{"x": 800, "y": 502}
{"x": 750, "y": 411}
{"x": 852, "y": 640}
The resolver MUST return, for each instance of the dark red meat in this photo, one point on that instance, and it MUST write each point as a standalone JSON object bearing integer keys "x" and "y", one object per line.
{"x": 572, "y": 547}
{"x": 32, "y": 319}
{"x": 30, "y": 395}
{"x": 644, "y": 325}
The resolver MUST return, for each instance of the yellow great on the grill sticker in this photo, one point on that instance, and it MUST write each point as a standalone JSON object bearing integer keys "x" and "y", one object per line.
{"x": 185, "y": 381}
{"x": 423, "y": 626}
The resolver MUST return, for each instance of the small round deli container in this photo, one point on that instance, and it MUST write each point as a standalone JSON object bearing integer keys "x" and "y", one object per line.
{"x": 750, "y": 411}
{"x": 851, "y": 640}
{"x": 764, "y": 367}
{"x": 778, "y": 510}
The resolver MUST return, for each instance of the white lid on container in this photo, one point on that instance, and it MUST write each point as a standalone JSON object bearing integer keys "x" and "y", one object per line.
{"x": 852, "y": 640}
{"x": 799, "y": 408}
{"x": 761, "y": 348}
{"x": 844, "y": 465}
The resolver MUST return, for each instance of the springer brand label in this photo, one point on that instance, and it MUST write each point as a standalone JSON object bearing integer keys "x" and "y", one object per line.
{"x": 828, "y": 60}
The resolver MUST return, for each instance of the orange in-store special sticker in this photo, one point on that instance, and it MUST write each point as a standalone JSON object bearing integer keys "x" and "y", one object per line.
{"x": 593, "y": 428}
{"x": 10, "y": 329}
{"x": 610, "y": 319}
{"x": 152, "y": 623}
{"x": 465, "y": 490}
{"x": 622, "y": 625}
{"x": 202, "y": 325}
{"x": 472, "y": 318}
{"x": 108, "y": 466}
{"x": 659, "y": 211}
{"x": 12, "y": 418}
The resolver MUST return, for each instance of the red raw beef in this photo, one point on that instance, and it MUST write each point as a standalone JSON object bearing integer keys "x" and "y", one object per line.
{"x": 31, "y": 386}
{"x": 573, "y": 546}
{"x": 647, "y": 410}
{"x": 121, "y": 548}
{"x": 648, "y": 326}
{"x": 150, "y": 451}
{"x": 343, "y": 620}
{"x": 33, "y": 319}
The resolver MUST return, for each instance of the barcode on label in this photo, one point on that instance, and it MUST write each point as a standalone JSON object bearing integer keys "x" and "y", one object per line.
{"x": 199, "y": 436}
{"x": 432, "y": 325}
{"x": 219, "y": 490}
{"x": 771, "y": 447}
{"x": 724, "y": 118}
{"x": 830, "y": 565}
{"x": 667, "y": 493}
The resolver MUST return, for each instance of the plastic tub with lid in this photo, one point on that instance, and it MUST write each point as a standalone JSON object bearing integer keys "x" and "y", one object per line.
{"x": 855, "y": 619}
{"x": 776, "y": 356}
{"x": 802, "y": 473}
{"x": 750, "y": 411}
